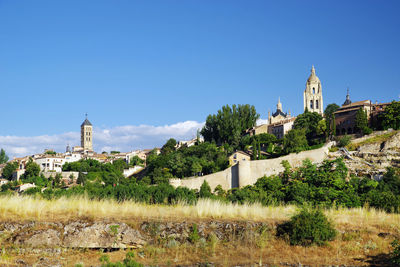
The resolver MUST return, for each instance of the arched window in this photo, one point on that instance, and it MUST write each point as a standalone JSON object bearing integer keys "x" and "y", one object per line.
{"x": 316, "y": 104}
{"x": 313, "y": 90}
{"x": 311, "y": 104}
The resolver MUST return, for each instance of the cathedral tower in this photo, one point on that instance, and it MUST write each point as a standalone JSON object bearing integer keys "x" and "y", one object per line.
{"x": 313, "y": 94}
{"x": 87, "y": 135}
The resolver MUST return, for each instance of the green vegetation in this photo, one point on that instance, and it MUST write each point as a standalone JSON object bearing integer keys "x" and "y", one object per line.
{"x": 295, "y": 141}
{"x": 129, "y": 261}
{"x": 330, "y": 119}
{"x": 391, "y": 117}
{"x": 325, "y": 185}
{"x": 9, "y": 169}
{"x": 307, "y": 228}
{"x": 395, "y": 255}
{"x": 3, "y": 156}
{"x": 309, "y": 121}
{"x": 344, "y": 141}
{"x": 361, "y": 122}
{"x": 204, "y": 158}
{"x": 229, "y": 124}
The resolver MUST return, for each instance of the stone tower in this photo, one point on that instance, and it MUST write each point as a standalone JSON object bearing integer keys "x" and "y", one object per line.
{"x": 87, "y": 135}
{"x": 313, "y": 94}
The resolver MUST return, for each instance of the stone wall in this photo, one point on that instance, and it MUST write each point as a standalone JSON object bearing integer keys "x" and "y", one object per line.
{"x": 247, "y": 172}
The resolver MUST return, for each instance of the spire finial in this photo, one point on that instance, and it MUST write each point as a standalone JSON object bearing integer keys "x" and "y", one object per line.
{"x": 312, "y": 69}
{"x": 86, "y": 115}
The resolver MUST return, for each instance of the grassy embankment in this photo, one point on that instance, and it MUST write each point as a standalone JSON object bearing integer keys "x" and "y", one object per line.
{"x": 371, "y": 140}
{"x": 358, "y": 242}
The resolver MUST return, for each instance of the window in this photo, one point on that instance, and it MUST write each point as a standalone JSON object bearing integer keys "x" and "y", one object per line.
{"x": 316, "y": 103}
{"x": 313, "y": 90}
{"x": 311, "y": 104}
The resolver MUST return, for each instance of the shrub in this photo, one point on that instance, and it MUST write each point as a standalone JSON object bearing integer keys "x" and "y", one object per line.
{"x": 344, "y": 141}
{"x": 307, "y": 228}
{"x": 194, "y": 234}
{"x": 395, "y": 255}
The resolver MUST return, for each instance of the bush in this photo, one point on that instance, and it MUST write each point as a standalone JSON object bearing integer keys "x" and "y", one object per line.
{"x": 395, "y": 255}
{"x": 307, "y": 228}
{"x": 344, "y": 141}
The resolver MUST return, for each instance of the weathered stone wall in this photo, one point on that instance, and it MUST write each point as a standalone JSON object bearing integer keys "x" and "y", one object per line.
{"x": 247, "y": 172}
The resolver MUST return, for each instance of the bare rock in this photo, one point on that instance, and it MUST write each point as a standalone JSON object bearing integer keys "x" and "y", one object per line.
{"x": 45, "y": 238}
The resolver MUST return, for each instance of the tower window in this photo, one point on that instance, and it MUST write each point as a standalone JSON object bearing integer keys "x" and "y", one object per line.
{"x": 311, "y": 104}
{"x": 313, "y": 90}
{"x": 316, "y": 104}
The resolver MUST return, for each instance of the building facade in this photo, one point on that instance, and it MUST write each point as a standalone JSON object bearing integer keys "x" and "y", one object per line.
{"x": 312, "y": 96}
{"x": 87, "y": 135}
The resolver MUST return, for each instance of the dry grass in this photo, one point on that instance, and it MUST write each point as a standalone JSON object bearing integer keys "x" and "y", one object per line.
{"x": 17, "y": 208}
{"x": 30, "y": 208}
{"x": 358, "y": 242}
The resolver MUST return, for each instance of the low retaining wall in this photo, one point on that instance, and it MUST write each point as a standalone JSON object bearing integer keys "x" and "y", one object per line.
{"x": 247, "y": 172}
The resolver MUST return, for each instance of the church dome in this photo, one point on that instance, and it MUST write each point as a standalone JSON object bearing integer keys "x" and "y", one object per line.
{"x": 313, "y": 77}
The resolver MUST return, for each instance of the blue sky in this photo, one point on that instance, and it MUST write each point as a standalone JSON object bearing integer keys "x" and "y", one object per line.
{"x": 161, "y": 64}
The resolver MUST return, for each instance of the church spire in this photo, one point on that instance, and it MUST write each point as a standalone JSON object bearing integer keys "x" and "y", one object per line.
{"x": 279, "y": 105}
{"x": 313, "y": 70}
{"x": 348, "y": 101}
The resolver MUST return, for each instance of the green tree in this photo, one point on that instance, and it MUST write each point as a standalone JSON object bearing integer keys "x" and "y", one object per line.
{"x": 9, "y": 169}
{"x": 169, "y": 146}
{"x": 308, "y": 121}
{"x": 330, "y": 119}
{"x": 3, "y": 157}
{"x": 361, "y": 122}
{"x": 228, "y": 125}
{"x": 205, "y": 190}
{"x": 136, "y": 161}
{"x": 81, "y": 179}
{"x": 391, "y": 117}
{"x": 31, "y": 169}
{"x": 295, "y": 141}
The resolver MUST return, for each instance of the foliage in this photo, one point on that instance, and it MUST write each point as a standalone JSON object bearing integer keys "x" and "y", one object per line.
{"x": 194, "y": 234}
{"x": 50, "y": 152}
{"x": 204, "y": 158}
{"x": 229, "y": 124}
{"x": 295, "y": 141}
{"x": 169, "y": 146}
{"x": 205, "y": 190}
{"x": 330, "y": 119}
{"x": 361, "y": 122}
{"x": 3, "y": 156}
{"x": 136, "y": 161}
{"x": 309, "y": 121}
{"x": 344, "y": 141}
{"x": 395, "y": 255}
{"x": 9, "y": 169}
{"x": 307, "y": 228}
{"x": 391, "y": 116}
{"x": 31, "y": 169}
{"x": 129, "y": 261}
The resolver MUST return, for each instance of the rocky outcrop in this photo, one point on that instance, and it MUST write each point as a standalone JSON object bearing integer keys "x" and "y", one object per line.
{"x": 372, "y": 159}
{"x": 83, "y": 234}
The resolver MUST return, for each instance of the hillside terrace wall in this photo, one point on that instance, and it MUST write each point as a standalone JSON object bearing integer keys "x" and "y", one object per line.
{"x": 247, "y": 172}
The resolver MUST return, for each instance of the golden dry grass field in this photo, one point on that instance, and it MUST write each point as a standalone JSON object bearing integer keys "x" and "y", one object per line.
{"x": 364, "y": 235}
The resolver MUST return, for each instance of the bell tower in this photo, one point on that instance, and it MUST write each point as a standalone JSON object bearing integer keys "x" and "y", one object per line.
{"x": 312, "y": 96}
{"x": 87, "y": 135}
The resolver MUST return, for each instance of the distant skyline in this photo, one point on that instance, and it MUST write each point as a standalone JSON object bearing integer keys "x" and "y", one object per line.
{"x": 145, "y": 71}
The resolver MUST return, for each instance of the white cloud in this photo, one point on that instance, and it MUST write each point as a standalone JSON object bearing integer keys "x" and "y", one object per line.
{"x": 122, "y": 138}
